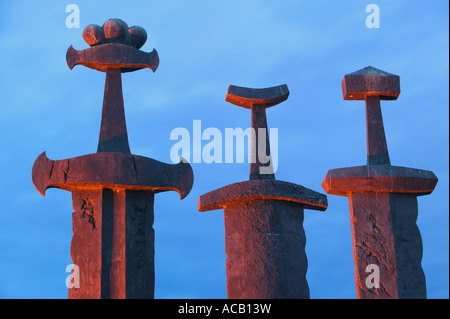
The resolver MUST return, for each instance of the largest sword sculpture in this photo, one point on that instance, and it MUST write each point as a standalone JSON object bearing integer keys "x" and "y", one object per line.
{"x": 264, "y": 236}
{"x": 387, "y": 247}
{"x": 113, "y": 190}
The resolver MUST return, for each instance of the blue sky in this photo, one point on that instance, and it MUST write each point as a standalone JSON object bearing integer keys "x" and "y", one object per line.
{"x": 204, "y": 46}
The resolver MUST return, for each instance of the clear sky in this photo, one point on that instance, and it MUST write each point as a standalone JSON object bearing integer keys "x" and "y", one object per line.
{"x": 204, "y": 46}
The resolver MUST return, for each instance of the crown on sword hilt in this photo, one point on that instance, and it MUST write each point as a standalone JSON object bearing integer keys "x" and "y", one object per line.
{"x": 115, "y": 31}
{"x": 113, "y": 45}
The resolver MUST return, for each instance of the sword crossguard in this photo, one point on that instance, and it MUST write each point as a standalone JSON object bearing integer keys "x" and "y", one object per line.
{"x": 112, "y": 170}
{"x": 258, "y": 100}
{"x": 248, "y": 191}
{"x": 372, "y": 85}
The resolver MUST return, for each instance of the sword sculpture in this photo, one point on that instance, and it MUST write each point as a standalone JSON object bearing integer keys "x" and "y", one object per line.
{"x": 383, "y": 200}
{"x": 264, "y": 235}
{"x": 113, "y": 190}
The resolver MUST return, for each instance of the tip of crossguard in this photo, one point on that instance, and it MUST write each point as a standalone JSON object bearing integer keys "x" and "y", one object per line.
{"x": 185, "y": 179}
{"x": 41, "y": 172}
{"x": 70, "y": 57}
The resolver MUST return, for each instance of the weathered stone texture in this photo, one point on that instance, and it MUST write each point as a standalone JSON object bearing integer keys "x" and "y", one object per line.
{"x": 265, "y": 247}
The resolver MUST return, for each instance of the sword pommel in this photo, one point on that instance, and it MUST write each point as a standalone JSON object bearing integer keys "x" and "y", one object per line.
{"x": 248, "y": 97}
{"x": 113, "y": 45}
{"x": 370, "y": 81}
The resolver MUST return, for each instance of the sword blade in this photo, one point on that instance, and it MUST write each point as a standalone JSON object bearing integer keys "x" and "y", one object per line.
{"x": 385, "y": 234}
{"x": 265, "y": 246}
{"x": 113, "y": 243}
